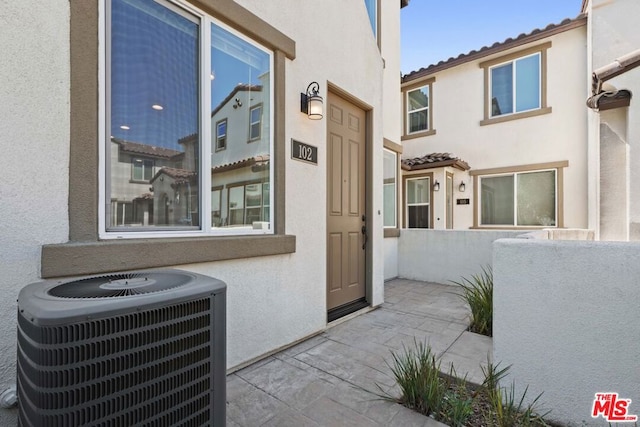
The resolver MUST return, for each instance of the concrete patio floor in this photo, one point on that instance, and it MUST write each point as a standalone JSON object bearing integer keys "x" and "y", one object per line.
{"x": 336, "y": 378}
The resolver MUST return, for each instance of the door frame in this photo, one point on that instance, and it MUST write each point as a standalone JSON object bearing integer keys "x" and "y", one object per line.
{"x": 335, "y": 90}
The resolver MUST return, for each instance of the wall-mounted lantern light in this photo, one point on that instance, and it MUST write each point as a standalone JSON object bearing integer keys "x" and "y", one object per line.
{"x": 462, "y": 186}
{"x": 311, "y": 102}
{"x": 436, "y": 186}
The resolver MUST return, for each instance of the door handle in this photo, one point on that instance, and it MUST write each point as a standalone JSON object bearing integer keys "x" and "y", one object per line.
{"x": 366, "y": 236}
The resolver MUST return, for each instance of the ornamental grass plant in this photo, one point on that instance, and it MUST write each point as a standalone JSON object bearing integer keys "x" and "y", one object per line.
{"x": 477, "y": 292}
{"x": 454, "y": 401}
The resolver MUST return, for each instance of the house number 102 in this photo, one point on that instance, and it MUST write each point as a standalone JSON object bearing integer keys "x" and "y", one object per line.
{"x": 304, "y": 152}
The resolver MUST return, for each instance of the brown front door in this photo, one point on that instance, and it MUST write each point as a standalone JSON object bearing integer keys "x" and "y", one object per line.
{"x": 346, "y": 237}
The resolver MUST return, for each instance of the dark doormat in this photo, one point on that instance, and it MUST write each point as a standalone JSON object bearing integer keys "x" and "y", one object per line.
{"x": 348, "y": 308}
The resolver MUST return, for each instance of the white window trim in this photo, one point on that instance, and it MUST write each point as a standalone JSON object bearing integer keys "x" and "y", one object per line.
{"x": 513, "y": 83}
{"x": 515, "y": 199}
{"x": 395, "y": 184}
{"x": 409, "y": 112}
{"x": 206, "y": 228}
{"x": 226, "y": 133}
{"x": 258, "y": 122}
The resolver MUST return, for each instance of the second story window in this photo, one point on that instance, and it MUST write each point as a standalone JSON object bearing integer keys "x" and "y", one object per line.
{"x": 221, "y": 135}
{"x": 256, "y": 123}
{"x": 515, "y": 86}
{"x": 141, "y": 169}
{"x": 418, "y": 109}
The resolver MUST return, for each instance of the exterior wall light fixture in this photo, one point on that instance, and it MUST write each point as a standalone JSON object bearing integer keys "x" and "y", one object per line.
{"x": 462, "y": 186}
{"x": 436, "y": 186}
{"x": 311, "y": 102}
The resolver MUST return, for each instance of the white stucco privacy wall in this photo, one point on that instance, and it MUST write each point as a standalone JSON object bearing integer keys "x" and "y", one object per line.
{"x": 34, "y": 138}
{"x": 391, "y": 258}
{"x": 565, "y": 319}
{"x": 443, "y": 256}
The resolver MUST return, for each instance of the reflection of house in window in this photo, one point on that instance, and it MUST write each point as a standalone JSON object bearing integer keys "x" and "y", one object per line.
{"x": 216, "y": 203}
{"x": 240, "y": 173}
{"x": 255, "y": 123}
{"x": 221, "y": 135}
{"x": 247, "y": 196}
{"x": 141, "y": 169}
{"x": 133, "y": 166}
{"x": 175, "y": 197}
{"x": 246, "y": 204}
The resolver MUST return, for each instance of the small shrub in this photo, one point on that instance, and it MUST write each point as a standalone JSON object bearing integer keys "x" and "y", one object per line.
{"x": 418, "y": 376}
{"x": 478, "y": 293}
{"x": 426, "y": 390}
{"x": 506, "y": 409}
{"x": 457, "y": 406}
{"x": 453, "y": 400}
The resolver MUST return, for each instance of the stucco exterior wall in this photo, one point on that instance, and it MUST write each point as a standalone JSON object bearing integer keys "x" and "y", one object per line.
{"x": 565, "y": 319}
{"x": 272, "y": 301}
{"x": 457, "y": 102}
{"x": 443, "y": 256}
{"x": 34, "y": 136}
{"x": 613, "y": 33}
{"x": 391, "y": 258}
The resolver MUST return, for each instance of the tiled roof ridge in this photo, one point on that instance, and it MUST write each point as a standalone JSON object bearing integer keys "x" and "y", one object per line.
{"x": 150, "y": 150}
{"x": 434, "y": 160}
{"x": 250, "y": 161}
{"x": 535, "y": 34}
{"x": 180, "y": 175}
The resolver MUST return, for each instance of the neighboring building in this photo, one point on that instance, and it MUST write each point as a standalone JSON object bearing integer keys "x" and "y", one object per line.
{"x": 496, "y": 138}
{"x": 133, "y": 166}
{"x": 117, "y": 159}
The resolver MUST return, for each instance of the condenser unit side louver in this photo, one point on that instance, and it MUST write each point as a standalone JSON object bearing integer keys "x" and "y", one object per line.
{"x": 127, "y": 349}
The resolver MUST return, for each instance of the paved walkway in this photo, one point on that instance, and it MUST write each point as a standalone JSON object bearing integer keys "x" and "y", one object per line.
{"x": 336, "y": 378}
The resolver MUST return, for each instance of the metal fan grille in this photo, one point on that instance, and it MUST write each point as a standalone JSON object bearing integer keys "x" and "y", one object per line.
{"x": 120, "y": 285}
{"x": 156, "y": 371}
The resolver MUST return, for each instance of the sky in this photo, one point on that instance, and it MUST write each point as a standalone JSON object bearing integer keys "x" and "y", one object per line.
{"x": 435, "y": 30}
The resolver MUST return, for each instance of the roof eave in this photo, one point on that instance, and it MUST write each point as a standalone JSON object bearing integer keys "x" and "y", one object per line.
{"x": 532, "y": 37}
{"x": 455, "y": 163}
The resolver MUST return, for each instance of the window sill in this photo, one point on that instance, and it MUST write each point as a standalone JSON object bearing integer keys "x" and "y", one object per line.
{"x": 391, "y": 232}
{"x": 83, "y": 258}
{"x": 418, "y": 135}
{"x": 516, "y": 116}
{"x": 511, "y": 227}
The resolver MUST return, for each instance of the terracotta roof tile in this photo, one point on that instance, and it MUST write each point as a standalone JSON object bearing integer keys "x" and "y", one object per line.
{"x": 251, "y": 161}
{"x": 148, "y": 150}
{"x": 180, "y": 175}
{"x": 434, "y": 160}
{"x": 509, "y": 43}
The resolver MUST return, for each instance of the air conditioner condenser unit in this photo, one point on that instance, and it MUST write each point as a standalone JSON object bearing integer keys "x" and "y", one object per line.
{"x": 144, "y": 348}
